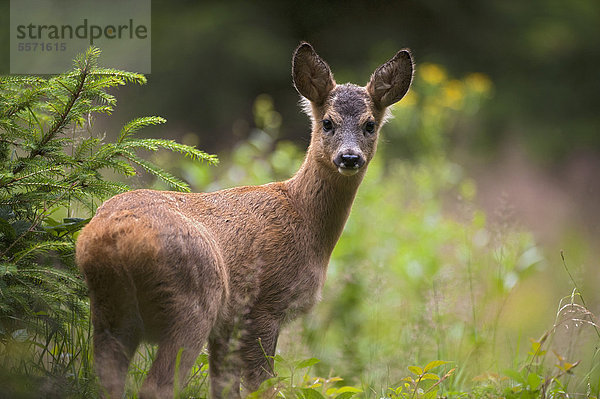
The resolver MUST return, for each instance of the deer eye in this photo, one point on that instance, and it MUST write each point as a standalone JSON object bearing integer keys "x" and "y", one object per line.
{"x": 327, "y": 125}
{"x": 370, "y": 127}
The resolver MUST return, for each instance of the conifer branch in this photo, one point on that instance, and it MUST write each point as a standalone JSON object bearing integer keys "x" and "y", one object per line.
{"x": 58, "y": 124}
{"x": 44, "y": 171}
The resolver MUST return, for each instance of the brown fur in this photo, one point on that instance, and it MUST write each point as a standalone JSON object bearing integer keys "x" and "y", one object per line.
{"x": 230, "y": 267}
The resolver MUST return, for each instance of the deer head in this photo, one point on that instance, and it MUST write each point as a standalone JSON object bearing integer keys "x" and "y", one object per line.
{"x": 346, "y": 118}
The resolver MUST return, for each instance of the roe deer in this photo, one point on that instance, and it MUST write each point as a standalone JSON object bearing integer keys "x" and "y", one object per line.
{"x": 230, "y": 267}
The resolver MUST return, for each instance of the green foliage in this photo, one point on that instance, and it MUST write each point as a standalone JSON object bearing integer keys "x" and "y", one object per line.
{"x": 286, "y": 383}
{"x": 434, "y": 109}
{"x": 421, "y": 271}
{"x": 422, "y": 383}
{"x": 50, "y": 183}
{"x": 260, "y": 159}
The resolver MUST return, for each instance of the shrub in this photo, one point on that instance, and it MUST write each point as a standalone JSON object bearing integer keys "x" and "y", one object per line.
{"x": 51, "y": 160}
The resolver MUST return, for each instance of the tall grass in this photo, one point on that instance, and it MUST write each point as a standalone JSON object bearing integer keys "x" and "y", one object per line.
{"x": 48, "y": 361}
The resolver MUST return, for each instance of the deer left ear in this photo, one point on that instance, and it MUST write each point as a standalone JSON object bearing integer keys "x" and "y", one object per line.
{"x": 390, "y": 82}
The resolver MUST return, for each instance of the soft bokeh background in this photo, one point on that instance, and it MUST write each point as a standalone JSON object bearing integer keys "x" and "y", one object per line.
{"x": 490, "y": 168}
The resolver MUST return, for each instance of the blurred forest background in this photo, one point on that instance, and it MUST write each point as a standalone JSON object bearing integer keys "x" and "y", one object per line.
{"x": 537, "y": 140}
{"x": 490, "y": 168}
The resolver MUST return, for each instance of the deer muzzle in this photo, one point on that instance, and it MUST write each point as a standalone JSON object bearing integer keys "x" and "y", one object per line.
{"x": 349, "y": 163}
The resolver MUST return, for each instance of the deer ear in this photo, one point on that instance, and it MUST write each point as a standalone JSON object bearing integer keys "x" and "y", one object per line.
{"x": 390, "y": 82}
{"x": 312, "y": 76}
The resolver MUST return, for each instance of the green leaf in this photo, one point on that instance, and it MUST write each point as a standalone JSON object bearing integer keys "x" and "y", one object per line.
{"x": 534, "y": 381}
{"x": 568, "y": 366}
{"x": 430, "y": 376}
{"x": 307, "y": 363}
{"x": 20, "y": 335}
{"x": 536, "y": 348}
{"x": 515, "y": 375}
{"x": 280, "y": 359}
{"x": 434, "y": 364}
{"x": 69, "y": 225}
{"x": 264, "y": 387}
{"x": 430, "y": 395}
{"x": 349, "y": 389}
{"x": 309, "y": 393}
{"x": 415, "y": 370}
{"x": 345, "y": 395}
{"x": 202, "y": 358}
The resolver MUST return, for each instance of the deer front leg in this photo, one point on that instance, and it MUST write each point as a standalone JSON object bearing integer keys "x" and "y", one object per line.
{"x": 258, "y": 342}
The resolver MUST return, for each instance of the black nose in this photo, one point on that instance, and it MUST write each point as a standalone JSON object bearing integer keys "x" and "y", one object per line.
{"x": 350, "y": 161}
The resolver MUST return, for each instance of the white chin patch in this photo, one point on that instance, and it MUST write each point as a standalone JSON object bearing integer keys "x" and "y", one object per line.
{"x": 347, "y": 171}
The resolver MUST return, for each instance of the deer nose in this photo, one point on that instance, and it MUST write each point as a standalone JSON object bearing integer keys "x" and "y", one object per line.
{"x": 350, "y": 161}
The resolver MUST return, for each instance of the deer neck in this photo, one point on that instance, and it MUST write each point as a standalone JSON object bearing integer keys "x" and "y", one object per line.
{"x": 324, "y": 197}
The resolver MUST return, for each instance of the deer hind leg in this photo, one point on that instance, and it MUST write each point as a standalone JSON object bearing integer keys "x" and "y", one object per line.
{"x": 188, "y": 312}
{"x": 178, "y": 349}
{"x": 117, "y": 329}
{"x": 224, "y": 363}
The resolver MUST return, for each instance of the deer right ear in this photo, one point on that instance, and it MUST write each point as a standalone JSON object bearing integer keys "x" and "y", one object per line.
{"x": 390, "y": 82}
{"x": 312, "y": 76}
